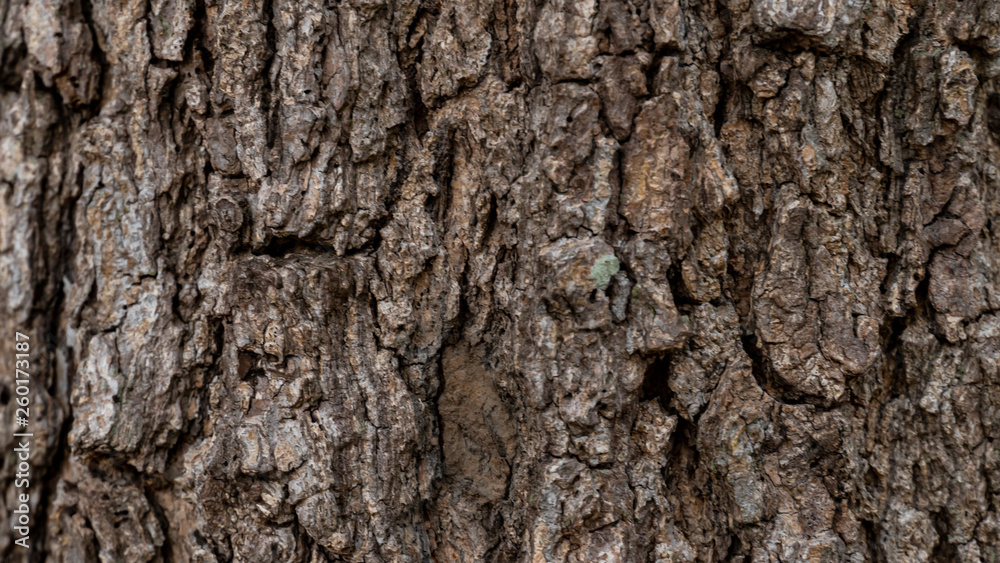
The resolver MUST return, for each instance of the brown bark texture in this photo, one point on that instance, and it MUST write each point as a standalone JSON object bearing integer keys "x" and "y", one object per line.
{"x": 503, "y": 280}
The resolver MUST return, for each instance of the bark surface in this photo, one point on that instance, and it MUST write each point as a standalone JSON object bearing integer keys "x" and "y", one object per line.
{"x": 506, "y": 281}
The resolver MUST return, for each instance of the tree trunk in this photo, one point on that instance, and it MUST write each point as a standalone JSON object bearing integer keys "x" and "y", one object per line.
{"x": 508, "y": 281}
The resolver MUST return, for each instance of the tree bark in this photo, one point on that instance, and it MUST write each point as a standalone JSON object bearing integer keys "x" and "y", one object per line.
{"x": 506, "y": 281}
